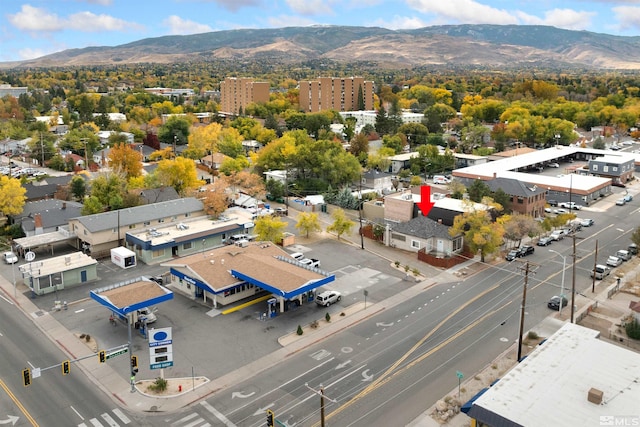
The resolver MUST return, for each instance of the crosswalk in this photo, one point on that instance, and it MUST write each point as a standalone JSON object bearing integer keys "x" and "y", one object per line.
{"x": 192, "y": 420}
{"x": 108, "y": 419}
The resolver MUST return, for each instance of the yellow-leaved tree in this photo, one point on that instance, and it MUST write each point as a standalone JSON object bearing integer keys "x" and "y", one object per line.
{"x": 179, "y": 173}
{"x": 125, "y": 160}
{"x": 203, "y": 140}
{"x": 308, "y": 222}
{"x": 270, "y": 229}
{"x": 480, "y": 232}
{"x": 12, "y": 195}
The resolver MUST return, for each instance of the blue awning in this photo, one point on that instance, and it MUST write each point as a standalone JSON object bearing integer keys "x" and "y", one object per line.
{"x": 309, "y": 286}
{"x": 467, "y": 406}
{"x": 96, "y": 295}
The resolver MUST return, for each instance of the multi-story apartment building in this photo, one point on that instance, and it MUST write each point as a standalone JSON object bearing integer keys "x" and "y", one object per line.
{"x": 334, "y": 93}
{"x": 238, "y": 92}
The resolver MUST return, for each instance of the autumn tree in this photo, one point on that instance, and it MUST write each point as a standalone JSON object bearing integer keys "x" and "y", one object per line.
{"x": 341, "y": 224}
{"x": 179, "y": 173}
{"x": 230, "y": 142}
{"x": 124, "y": 159}
{"x": 230, "y": 165}
{"x": 308, "y": 222}
{"x": 480, "y": 232}
{"x": 109, "y": 189}
{"x": 246, "y": 182}
{"x": 12, "y": 195}
{"x": 518, "y": 226}
{"x": 270, "y": 228}
{"x": 203, "y": 140}
{"x": 216, "y": 199}
{"x": 359, "y": 146}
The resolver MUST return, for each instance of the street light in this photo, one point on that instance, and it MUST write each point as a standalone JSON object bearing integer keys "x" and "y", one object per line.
{"x": 564, "y": 261}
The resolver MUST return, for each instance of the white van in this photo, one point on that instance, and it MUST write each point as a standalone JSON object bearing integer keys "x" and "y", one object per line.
{"x": 441, "y": 179}
{"x": 623, "y": 254}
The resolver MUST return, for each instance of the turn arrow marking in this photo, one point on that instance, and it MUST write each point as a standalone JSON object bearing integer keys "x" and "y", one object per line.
{"x": 12, "y": 419}
{"x": 366, "y": 376}
{"x": 343, "y": 365}
{"x": 385, "y": 325}
{"x": 425, "y": 203}
{"x": 241, "y": 395}
{"x": 261, "y": 411}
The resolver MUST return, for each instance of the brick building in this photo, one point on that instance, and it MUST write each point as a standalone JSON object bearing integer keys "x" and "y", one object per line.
{"x": 340, "y": 94}
{"x": 238, "y": 92}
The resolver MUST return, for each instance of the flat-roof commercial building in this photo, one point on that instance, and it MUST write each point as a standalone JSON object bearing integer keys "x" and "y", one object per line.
{"x": 571, "y": 379}
{"x": 336, "y": 93}
{"x": 54, "y": 274}
{"x": 238, "y": 92}
{"x": 582, "y": 187}
{"x": 157, "y": 244}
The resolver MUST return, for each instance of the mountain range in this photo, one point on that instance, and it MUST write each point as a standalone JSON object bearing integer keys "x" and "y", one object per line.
{"x": 494, "y": 46}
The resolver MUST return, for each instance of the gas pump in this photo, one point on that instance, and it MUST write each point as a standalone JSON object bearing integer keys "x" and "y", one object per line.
{"x": 311, "y": 295}
{"x": 271, "y": 307}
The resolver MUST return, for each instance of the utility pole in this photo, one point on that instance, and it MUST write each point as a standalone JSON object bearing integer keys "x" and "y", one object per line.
{"x": 573, "y": 279}
{"x": 41, "y": 150}
{"x": 361, "y": 201}
{"x": 524, "y": 301}
{"x": 595, "y": 262}
{"x": 320, "y": 392}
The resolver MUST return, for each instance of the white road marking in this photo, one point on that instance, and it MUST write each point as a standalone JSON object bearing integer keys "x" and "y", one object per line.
{"x": 218, "y": 414}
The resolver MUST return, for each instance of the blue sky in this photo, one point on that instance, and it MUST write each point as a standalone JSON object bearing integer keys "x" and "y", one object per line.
{"x": 40, "y": 27}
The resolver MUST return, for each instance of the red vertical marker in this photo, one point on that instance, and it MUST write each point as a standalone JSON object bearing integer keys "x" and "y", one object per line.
{"x": 425, "y": 204}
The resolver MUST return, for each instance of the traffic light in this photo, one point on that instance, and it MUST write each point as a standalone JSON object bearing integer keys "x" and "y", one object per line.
{"x": 26, "y": 377}
{"x": 134, "y": 366}
{"x": 102, "y": 355}
{"x": 270, "y": 418}
{"x": 66, "y": 367}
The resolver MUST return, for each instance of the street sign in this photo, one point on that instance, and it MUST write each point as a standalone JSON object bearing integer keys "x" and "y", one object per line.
{"x": 160, "y": 348}
{"x": 459, "y": 375}
{"x": 30, "y": 256}
{"x": 117, "y": 353}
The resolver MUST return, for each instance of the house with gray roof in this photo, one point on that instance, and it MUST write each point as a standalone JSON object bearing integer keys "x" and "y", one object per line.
{"x": 526, "y": 199}
{"x": 98, "y": 233}
{"x": 422, "y": 233}
{"x": 45, "y": 216}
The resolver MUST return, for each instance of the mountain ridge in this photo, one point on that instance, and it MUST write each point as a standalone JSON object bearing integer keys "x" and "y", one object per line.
{"x": 458, "y": 45}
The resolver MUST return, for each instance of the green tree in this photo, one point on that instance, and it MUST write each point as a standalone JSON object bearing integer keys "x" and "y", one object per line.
{"x": 230, "y": 142}
{"x": 110, "y": 190}
{"x": 78, "y": 187}
{"x": 341, "y": 224}
{"x": 270, "y": 229}
{"x": 92, "y": 206}
{"x": 175, "y": 130}
{"x": 308, "y": 222}
{"x": 478, "y": 190}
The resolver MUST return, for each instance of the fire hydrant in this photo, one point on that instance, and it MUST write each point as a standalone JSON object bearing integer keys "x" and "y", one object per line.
{"x": 180, "y": 388}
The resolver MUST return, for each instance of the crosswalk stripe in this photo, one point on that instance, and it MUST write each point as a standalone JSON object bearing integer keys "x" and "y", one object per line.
{"x": 219, "y": 415}
{"x": 95, "y": 422}
{"x": 185, "y": 419}
{"x": 121, "y": 415}
{"x": 109, "y": 420}
{"x": 82, "y": 425}
{"x": 195, "y": 423}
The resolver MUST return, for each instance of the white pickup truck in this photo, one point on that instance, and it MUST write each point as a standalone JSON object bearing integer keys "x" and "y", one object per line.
{"x": 570, "y": 205}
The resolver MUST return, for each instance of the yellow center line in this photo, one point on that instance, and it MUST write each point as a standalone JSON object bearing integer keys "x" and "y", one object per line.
{"x": 18, "y": 404}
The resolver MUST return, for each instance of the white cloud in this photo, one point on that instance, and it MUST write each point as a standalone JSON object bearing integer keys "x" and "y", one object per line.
{"x": 178, "y": 25}
{"x": 627, "y": 16}
{"x": 234, "y": 5}
{"x": 311, "y": 7}
{"x": 38, "y": 19}
{"x": 31, "y": 53}
{"x": 466, "y": 11}
{"x": 289, "y": 21}
{"x": 562, "y": 18}
{"x": 400, "y": 23}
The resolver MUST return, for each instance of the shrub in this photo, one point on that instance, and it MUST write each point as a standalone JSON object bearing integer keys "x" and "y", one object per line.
{"x": 416, "y": 272}
{"x": 633, "y": 329}
{"x": 532, "y": 335}
{"x": 160, "y": 384}
{"x": 397, "y": 264}
{"x": 87, "y": 338}
{"x": 314, "y": 324}
{"x": 299, "y": 331}
{"x": 407, "y": 268}
{"x": 327, "y": 317}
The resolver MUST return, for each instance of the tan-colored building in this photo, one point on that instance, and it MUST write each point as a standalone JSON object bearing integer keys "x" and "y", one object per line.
{"x": 238, "y": 92}
{"x": 335, "y": 93}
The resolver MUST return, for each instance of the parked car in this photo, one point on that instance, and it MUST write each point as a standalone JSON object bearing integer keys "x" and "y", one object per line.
{"x": 10, "y": 258}
{"x": 623, "y": 254}
{"x": 587, "y": 222}
{"x": 553, "y": 165}
{"x": 327, "y": 298}
{"x": 544, "y": 241}
{"x": 621, "y": 202}
{"x": 297, "y": 255}
{"x": 556, "y": 235}
{"x": 627, "y": 198}
{"x": 614, "y": 261}
{"x": 570, "y": 205}
{"x": 633, "y": 249}
{"x": 552, "y": 202}
{"x": 554, "y": 302}
{"x": 311, "y": 262}
{"x": 526, "y": 250}
{"x": 601, "y": 271}
{"x": 559, "y": 211}
{"x": 547, "y": 210}
{"x": 513, "y": 254}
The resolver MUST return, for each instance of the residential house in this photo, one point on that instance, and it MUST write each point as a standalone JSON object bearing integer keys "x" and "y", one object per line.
{"x": 378, "y": 181}
{"x": 422, "y": 233}
{"x": 155, "y": 195}
{"x": 45, "y": 216}
{"x": 400, "y": 161}
{"x": 46, "y": 188}
{"x": 214, "y": 161}
{"x": 618, "y": 168}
